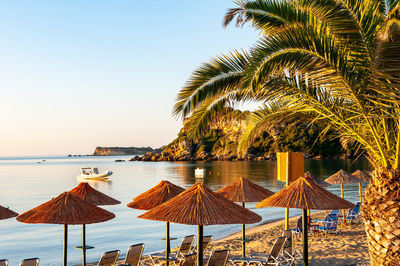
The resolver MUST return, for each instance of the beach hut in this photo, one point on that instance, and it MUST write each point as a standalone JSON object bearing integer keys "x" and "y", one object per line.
{"x": 199, "y": 206}
{"x": 154, "y": 197}
{"x": 243, "y": 190}
{"x": 305, "y": 194}
{"x": 66, "y": 209}
{"x": 342, "y": 177}
{"x": 86, "y": 192}
{"x": 6, "y": 213}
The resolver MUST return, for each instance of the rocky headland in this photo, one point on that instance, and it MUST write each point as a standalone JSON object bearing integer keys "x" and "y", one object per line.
{"x": 220, "y": 142}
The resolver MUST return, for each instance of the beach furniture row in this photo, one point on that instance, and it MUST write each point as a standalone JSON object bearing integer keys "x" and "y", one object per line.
{"x": 26, "y": 262}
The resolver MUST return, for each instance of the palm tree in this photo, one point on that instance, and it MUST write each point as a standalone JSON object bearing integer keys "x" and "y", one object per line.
{"x": 335, "y": 62}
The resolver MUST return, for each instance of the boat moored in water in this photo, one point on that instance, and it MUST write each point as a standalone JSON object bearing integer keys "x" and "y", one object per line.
{"x": 89, "y": 173}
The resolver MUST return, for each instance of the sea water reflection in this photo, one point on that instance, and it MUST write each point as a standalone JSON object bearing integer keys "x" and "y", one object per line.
{"x": 27, "y": 183}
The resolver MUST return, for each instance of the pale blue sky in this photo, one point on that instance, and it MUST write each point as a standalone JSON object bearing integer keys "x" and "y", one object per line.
{"x": 79, "y": 74}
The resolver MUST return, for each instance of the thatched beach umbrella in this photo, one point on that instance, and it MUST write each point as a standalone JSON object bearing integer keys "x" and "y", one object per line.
{"x": 305, "y": 194}
{"x": 320, "y": 182}
{"x": 363, "y": 175}
{"x": 199, "y": 206}
{"x": 66, "y": 209}
{"x": 243, "y": 190}
{"x": 6, "y": 213}
{"x": 154, "y": 197}
{"x": 342, "y": 177}
{"x": 86, "y": 192}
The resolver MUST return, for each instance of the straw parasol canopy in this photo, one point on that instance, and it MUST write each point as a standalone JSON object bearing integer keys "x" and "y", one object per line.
{"x": 66, "y": 209}
{"x": 320, "y": 182}
{"x": 243, "y": 190}
{"x": 342, "y": 177}
{"x": 364, "y": 176}
{"x": 6, "y": 213}
{"x": 86, "y": 192}
{"x": 305, "y": 194}
{"x": 199, "y": 206}
{"x": 155, "y": 196}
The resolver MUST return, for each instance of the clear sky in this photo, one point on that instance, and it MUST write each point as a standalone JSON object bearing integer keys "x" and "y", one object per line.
{"x": 79, "y": 74}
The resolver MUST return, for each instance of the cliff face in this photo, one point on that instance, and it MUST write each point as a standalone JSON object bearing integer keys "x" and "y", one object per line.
{"x": 107, "y": 151}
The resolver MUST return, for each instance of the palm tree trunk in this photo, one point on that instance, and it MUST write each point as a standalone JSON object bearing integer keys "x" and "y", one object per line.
{"x": 380, "y": 211}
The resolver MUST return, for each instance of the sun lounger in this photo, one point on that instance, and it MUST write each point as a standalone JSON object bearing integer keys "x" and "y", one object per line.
{"x": 184, "y": 249}
{"x": 298, "y": 230}
{"x": 188, "y": 260}
{"x": 336, "y": 212}
{"x": 218, "y": 258}
{"x": 30, "y": 262}
{"x": 353, "y": 215}
{"x": 206, "y": 241}
{"x": 329, "y": 224}
{"x": 109, "y": 258}
{"x": 273, "y": 258}
{"x": 4, "y": 262}
{"x": 134, "y": 255}
{"x": 289, "y": 251}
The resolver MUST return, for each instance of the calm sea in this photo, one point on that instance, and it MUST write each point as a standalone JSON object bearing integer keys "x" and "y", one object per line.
{"x": 27, "y": 182}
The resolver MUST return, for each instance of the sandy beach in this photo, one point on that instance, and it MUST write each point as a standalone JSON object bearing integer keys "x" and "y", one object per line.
{"x": 347, "y": 248}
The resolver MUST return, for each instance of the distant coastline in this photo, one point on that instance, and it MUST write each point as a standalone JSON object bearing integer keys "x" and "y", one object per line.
{"x": 112, "y": 151}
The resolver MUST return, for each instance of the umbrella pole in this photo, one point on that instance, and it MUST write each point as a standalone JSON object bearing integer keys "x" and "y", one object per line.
{"x": 200, "y": 245}
{"x": 168, "y": 247}
{"x": 305, "y": 238}
{"x": 84, "y": 244}
{"x": 287, "y": 209}
{"x": 65, "y": 244}
{"x": 360, "y": 191}
{"x": 343, "y": 212}
{"x": 243, "y": 236}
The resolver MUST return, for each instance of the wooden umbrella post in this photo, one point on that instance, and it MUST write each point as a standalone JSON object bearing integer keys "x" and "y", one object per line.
{"x": 305, "y": 238}
{"x": 167, "y": 246}
{"x": 243, "y": 236}
{"x": 84, "y": 244}
{"x": 360, "y": 191}
{"x": 65, "y": 244}
{"x": 343, "y": 212}
{"x": 287, "y": 210}
{"x": 199, "y": 245}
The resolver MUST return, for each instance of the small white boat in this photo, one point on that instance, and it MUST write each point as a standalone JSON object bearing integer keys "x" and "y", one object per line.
{"x": 89, "y": 173}
{"x": 199, "y": 172}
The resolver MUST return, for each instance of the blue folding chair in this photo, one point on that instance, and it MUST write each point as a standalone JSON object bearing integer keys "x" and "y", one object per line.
{"x": 329, "y": 224}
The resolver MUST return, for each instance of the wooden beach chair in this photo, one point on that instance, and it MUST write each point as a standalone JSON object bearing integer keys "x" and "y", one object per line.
{"x": 109, "y": 258}
{"x": 206, "y": 241}
{"x": 133, "y": 255}
{"x": 218, "y": 258}
{"x": 184, "y": 249}
{"x": 4, "y": 262}
{"x": 188, "y": 260}
{"x": 289, "y": 251}
{"x": 273, "y": 258}
{"x": 30, "y": 262}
